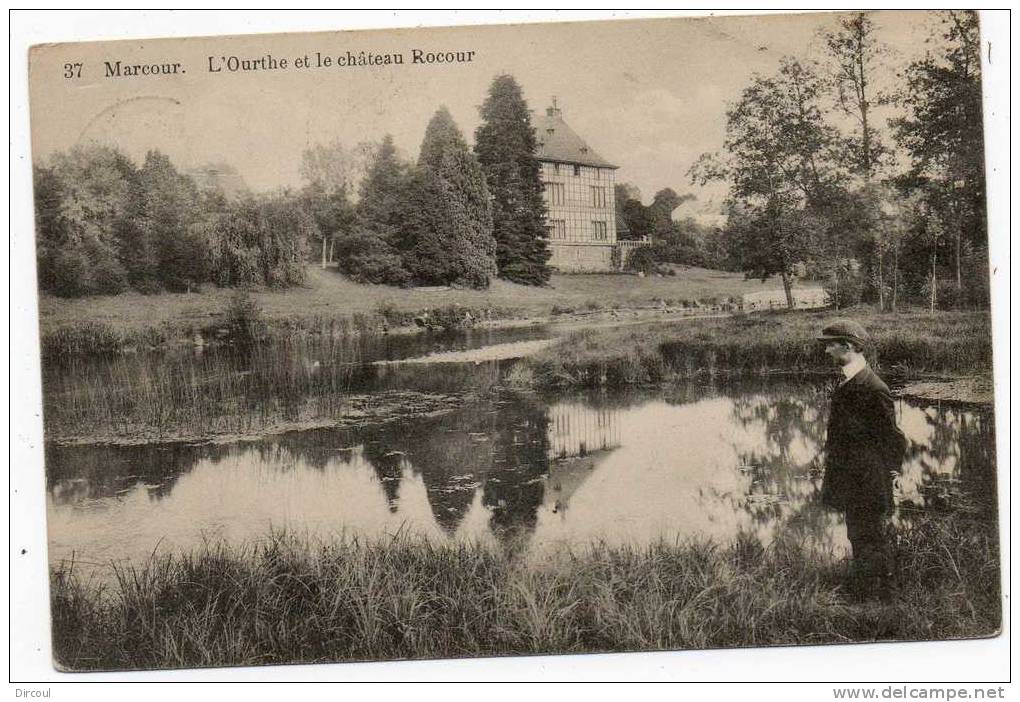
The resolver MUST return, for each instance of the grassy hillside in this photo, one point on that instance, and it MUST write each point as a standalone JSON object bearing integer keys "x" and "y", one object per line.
{"x": 328, "y": 294}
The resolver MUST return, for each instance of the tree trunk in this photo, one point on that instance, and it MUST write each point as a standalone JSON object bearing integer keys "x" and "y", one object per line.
{"x": 788, "y": 289}
{"x": 896, "y": 276}
{"x": 959, "y": 265}
{"x": 933, "y": 261}
{"x": 331, "y": 242}
{"x": 881, "y": 282}
{"x": 323, "y": 252}
{"x": 863, "y": 104}
{"x": 835, "y": 286}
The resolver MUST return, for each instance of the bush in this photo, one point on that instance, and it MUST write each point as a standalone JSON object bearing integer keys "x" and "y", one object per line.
{"x": 108, "y": 277}
{"x": 451, "y": 318}
{"x": 392, "y": 315}
{"x": 642, "y": 260}
{"x": 244, "y": 316}
{"x": 947, "y": 295}
{"x": 366, "y": 258}
{"x": 845, "y": 288}
{"x": 81, "y": 338}
{"x": 184, "y": 262}
{"x": 64, "y": 273}
{"x": 976, "y": 292}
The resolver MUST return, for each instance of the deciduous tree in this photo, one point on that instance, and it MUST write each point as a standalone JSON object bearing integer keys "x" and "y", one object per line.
{"x": 943, "y": 134}
{"x": 778, "y": 163}
{"x": 854, "y": 52}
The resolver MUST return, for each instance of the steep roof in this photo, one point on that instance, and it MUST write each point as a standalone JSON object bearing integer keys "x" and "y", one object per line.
{"x": 558, "y": 142}
{"x": 220, "y": 176}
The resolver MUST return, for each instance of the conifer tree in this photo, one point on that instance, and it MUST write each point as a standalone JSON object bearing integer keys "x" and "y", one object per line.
{"x": 380, "y": 208}
{"x": 371, "y": 254}
{"x": 451, "y": 215}
{"x": 505, "y": 145}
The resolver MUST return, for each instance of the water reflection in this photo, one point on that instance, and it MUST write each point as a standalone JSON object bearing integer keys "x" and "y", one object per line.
{"x": 707, "y": 462}
{"x": 225, "y": 388}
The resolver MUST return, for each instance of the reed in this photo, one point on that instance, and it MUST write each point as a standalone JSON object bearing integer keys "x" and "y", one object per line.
{"x": 905, "y": 345}
{"x": 281, "y": 383}
{"x": 289, "y": 599}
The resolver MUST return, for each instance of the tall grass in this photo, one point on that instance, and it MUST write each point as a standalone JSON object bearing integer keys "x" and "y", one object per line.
{"x": 277, "y": 383}
{"x": 241, "y": 320}
{"x": 903, "y": 344}
{"x": 293, "y": 600}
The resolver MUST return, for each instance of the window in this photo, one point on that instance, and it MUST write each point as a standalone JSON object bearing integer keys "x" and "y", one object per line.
{"x": 577, "y": 170}
{"x": 598, "y": 196}
{"x": 557, "y": 229}
{"x": 598, "y": 173}
{"x": 556, "y": 168}
{"x": 554, "y": 193}
{"x": 598, "y": 230}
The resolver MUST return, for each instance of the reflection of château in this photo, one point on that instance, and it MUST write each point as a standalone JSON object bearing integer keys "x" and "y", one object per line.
{"x": 579, "y": 437}
{"x": 576, "y": 430}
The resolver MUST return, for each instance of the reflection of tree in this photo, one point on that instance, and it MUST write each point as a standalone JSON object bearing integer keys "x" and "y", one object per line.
{"x": 953, "y": 467}
{"x": 502, "y": 447}
{"x": 321, "y": 448}
{"x": 514, "y": 488}
{"x": 389, "y": 466}
{"x": 949, "y": 461}
{"x": 450, "y": 452}
{"x": 76, "y": 473}
{"x": 783, "y": 418}
{"x": 977, "y": 460}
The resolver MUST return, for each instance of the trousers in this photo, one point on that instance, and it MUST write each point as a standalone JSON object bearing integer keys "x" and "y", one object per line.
{"x": 871, "y": 541}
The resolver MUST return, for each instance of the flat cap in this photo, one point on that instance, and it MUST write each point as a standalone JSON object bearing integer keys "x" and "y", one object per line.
{"x": 845, "y": 330}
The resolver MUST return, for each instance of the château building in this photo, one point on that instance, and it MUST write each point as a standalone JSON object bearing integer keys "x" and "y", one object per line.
{"x": 222, "y": 177}
{"x": 581, "y": 218}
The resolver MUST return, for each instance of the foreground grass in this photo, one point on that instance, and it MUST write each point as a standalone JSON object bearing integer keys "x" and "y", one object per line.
{"x": 289, "y": 600}
{"x": 329, "y": 301}
{"x": 905, "y": 344}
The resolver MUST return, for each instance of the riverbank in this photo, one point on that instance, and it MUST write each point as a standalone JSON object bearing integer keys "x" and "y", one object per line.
{"x": 288, "y": 600}
{"x": 329, "y": 303}
{"x": 304, "y": 382}
{"x": 906, "y": 347}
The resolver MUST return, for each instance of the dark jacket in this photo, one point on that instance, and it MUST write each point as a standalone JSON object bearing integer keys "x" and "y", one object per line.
{"x": 863, "y": 445}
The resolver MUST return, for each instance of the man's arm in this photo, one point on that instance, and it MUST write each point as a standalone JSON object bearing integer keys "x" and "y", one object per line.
{"x": 892, "y": 440}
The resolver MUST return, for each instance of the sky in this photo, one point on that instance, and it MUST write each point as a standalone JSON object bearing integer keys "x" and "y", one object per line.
{"x": 649, "y": 95}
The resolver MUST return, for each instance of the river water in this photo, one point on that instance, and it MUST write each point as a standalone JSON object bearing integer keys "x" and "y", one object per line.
{"x": 693, "y": 461}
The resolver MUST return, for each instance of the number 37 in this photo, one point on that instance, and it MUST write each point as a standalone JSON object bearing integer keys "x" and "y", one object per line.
{"x": 72, "y": 70}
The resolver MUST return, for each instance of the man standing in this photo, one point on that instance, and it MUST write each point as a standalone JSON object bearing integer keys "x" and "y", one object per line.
{"x": 863, "y": 448}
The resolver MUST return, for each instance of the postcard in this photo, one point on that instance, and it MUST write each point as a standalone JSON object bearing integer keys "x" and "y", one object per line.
{"x": 561, "y": 337}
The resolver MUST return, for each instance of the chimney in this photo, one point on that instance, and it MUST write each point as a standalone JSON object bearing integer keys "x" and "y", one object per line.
{"x": 553, "y": 111}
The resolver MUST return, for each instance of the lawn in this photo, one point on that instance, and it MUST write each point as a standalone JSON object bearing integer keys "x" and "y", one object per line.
{"x": 328, "y": 295}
